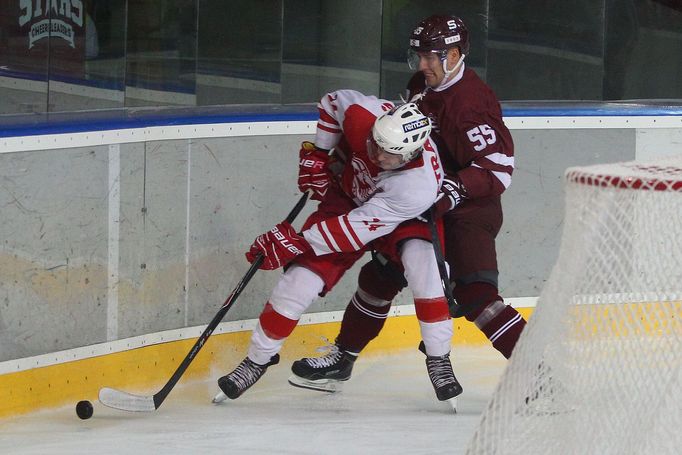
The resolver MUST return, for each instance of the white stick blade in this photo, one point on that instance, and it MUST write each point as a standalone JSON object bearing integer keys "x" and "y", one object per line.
{"x": 125, "y": 401}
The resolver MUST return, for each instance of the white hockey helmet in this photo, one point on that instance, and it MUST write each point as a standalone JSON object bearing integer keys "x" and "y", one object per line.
{"x": 402, "y": 131}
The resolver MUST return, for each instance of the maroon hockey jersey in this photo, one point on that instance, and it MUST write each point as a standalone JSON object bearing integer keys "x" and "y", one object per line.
{"x": 474, "y": 143}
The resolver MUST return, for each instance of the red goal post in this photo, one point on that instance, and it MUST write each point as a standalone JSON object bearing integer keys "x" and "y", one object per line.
{"x": 598, "y": 369}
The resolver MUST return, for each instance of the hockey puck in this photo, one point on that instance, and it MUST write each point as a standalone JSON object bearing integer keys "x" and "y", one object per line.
{"x": 84, "y": 409}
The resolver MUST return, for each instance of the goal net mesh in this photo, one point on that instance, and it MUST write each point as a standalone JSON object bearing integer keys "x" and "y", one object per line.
{"x": 598, "y": 368}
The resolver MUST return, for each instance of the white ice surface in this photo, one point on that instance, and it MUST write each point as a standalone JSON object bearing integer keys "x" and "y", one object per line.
{"x": 387, "y": 407}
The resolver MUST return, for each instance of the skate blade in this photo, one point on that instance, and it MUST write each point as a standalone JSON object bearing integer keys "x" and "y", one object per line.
{"x": 320, "y": 385}
{"x": 219, "y": 398}
{"x": 452, "y": 402}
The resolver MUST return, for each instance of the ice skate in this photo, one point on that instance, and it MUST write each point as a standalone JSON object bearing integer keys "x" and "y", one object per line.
{"x": 442, "y": 377}
{"x": 242, "y": 378}
{"x": 326, "y": 373}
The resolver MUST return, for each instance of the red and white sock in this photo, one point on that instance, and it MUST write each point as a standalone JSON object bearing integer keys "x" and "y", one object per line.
{"x": 296, "y": 289}
{"x": 435, "y": 325}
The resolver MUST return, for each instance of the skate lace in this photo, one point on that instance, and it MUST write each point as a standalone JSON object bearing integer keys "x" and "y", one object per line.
{"x": 246, "y": 374}
{"x": 332, "y": 356}
{"x": 440, "y": 371}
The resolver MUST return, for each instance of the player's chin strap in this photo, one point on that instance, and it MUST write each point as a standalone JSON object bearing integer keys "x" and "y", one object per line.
{"x": 416, "y": 97}
{"x": 449, "y": 73}
{"x": 449, "y": 77}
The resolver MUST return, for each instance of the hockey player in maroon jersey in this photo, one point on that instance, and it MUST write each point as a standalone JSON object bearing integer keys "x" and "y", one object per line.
{"x": 477, "y": 152}
{"x": 392, "y": 174}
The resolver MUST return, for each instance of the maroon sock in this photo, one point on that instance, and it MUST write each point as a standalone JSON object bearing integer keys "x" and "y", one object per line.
{"x": 504, "y": 330}
{"x": 366, "y": 312}
{"x": 361, "y": 323}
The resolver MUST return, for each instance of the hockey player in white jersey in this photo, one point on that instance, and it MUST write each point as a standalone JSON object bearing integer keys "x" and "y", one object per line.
{"x": 391, "y": 174}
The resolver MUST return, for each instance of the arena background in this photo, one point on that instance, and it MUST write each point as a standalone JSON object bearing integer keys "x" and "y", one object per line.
{"x": 143, "y": 144}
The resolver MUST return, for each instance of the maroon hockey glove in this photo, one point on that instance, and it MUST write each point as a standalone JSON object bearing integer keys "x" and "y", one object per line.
{"x": 279, "y": 246}
{"x": 451, "y": 194}
{"x": 313, "y": 173}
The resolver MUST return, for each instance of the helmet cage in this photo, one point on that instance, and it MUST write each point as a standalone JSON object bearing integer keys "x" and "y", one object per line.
{"x": 374, "y": 150}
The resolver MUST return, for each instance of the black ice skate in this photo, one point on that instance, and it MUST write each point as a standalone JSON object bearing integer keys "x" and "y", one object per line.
{"x": 241, "y": 378}
{"x": 442, "y": 377}
{"x": 325, "y": 373}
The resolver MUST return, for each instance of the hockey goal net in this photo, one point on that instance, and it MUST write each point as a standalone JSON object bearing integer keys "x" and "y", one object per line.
{"x": 598, "y": 367}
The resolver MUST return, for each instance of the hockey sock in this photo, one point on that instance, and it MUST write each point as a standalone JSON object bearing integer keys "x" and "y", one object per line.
{"x": 293, "y": 294}
{"x": 499, "y": 322}
{"x": 362, "y": 321}
{"x": 366, "y": 312}
{"x": 502, "y": 324}
{"x": 435, "y": 324}
{"x": 269, "y": 334}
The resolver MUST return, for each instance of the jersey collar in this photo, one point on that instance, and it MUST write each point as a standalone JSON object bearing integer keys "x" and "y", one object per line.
{"x": 452, "y": 81}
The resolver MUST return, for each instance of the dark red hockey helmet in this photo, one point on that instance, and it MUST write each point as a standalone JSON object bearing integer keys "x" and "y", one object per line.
{"x": 440, "y": 33}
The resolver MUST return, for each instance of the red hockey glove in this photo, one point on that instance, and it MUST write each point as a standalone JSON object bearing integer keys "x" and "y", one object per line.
{"x": 313, "y": 173}
{"x": 279, "y": 246}
{"x": 451, "y": 195}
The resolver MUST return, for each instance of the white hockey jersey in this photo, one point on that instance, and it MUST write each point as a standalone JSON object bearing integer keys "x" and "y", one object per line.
{"x": 384, "y": 199}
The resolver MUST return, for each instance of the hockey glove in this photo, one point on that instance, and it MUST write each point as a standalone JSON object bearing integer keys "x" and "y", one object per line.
{"x": 313, "y": 173}
{"x": 279, "y": 246}
{"x": 450, "y": 196}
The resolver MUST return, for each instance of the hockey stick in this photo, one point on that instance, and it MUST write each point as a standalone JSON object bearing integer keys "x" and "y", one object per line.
{"x": 440, "y": 260}
{"x": 125, "y": 401}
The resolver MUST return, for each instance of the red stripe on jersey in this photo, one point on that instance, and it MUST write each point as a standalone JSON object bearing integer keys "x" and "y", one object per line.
{"x": 325, "y": 117}
{"x": 336, "y": 231}
{"x": 351, "y": 231}
{"x": 330, "y": 245}
{"x": 274, "y": 324}
{"x": 328, "y": 129}
{"x": 432, "y": 310}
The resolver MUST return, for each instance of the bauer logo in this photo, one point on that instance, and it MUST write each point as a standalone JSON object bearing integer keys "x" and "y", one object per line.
{"x": 452, "y": 39}
{"x": 414, "y": 43}
{"x": 415, "y": 125}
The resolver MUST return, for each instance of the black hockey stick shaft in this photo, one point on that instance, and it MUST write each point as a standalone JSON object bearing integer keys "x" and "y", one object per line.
{"x": 440, "y": 260}
{"x": 161, "y": 395}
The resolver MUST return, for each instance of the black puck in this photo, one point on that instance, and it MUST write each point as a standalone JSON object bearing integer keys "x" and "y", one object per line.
{"x": 84, "y": 409}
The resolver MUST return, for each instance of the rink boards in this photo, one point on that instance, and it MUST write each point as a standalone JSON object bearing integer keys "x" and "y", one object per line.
{"x": 143, "y": 364}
